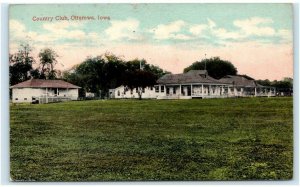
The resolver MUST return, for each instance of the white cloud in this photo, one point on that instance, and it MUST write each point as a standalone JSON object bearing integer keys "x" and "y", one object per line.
{"x": 61, "y": 25}
{"x": 254, "y": 21}
{"x": 197, "y": 29}
{"x": 52, "y": 32}
{"x": 120, "y": 29}
{"x": 65, "y": 30}
{"x": 181, "y": 37}
{"x": 224, "y": 34}
{"x": 255, "y": 26}
{"x": 211, "y": 24}
{"x": 285, "y": 34}
{"x": 17, "y": 30}
{"x": 169, "y": 31}
{"x": 16, "y": 26}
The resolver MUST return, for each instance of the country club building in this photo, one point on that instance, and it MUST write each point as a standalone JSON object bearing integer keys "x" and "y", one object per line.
{"x": 43, "y": 91}
{"x": 197, "y": 84}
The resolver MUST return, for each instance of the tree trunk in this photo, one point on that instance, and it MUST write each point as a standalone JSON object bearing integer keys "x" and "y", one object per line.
{"x": 140, "y": 94}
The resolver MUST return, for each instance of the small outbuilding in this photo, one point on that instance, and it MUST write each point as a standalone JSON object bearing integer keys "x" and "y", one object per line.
{"x": 43, "y": 91}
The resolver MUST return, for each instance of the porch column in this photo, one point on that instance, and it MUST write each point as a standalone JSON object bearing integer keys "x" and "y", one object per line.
{"x": 46, "y": 95}
{"x": 202, "y": 90}
{"x": 165, "y": 89}
{"x": 255, "y": 92}
{"x": 180, "y": 90}
{"x": 228, "y": 90}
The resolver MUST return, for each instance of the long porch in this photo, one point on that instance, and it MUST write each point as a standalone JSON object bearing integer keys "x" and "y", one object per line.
{"x": 189, "y": 91}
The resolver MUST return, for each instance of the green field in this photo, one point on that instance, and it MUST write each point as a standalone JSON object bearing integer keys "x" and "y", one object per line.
{"x": 210, "y": 139}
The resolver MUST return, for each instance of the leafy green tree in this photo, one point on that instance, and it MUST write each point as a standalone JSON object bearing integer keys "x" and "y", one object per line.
{"x": 97, "y": 74}
{"x": 87, "y": 75}
{"x": 137, "y": 64}
{"x": 215, "y": 67}
{"x": 20, "y": 64}
{"x": 139, "y": 79}
{"x": 265, "y": 82}
{"x": 285, "y": 83}
{"x": 48, "y": 59}
{"x": 108, "y": 71}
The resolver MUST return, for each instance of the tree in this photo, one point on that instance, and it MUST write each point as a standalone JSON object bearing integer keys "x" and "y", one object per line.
{"x": 97, "y": 73}
{"x": 136, "y": 64}
{"x": 285, "y": 85}
{"x": 48, "y": 60}
{"x": 265, "y": 82}
{"x": 20, "y": 65}
{"x": 87, "y": 75}
{"x": 109, "y": 71}
{"x": 139, "y": 79}
{"x": 215, "y": 67}
{"x": 140, "y": 75}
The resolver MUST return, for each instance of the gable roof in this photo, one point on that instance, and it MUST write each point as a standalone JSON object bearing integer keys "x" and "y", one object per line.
{"x": 193, "y": 76}
{"x": 41, "y": 83}
{"x": 239, "y": 80}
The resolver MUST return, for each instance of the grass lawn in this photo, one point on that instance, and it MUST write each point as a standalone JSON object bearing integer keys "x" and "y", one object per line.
{"x": 209, "y": 139}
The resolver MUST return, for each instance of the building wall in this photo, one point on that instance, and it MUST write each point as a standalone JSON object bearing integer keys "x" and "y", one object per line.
{"x": 122, "y": 92}
{"x": 23, "y": 95}
{"x": 72, "y": 93}
{"x": 209, "y": 91}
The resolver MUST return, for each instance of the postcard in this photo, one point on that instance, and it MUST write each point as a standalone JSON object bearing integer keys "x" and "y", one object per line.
{"x": 151, "y": 92}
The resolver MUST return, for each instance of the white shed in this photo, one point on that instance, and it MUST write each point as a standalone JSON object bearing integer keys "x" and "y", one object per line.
{"x": 35, "y": 89}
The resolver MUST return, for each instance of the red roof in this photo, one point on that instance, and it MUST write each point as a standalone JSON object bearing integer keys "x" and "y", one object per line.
{"x": 41, "y": 83}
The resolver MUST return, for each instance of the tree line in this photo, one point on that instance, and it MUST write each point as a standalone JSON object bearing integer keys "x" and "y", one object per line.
{"x": 218, "y": 68}
{"x": 95, "y": 74}
{"x": 107, "y": 71}
{"x": 21, "y": 65}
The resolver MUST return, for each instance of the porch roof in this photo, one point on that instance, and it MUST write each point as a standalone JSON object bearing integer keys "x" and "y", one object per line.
{"x": 193, "y": 76}
{"x": 239, "y": 80}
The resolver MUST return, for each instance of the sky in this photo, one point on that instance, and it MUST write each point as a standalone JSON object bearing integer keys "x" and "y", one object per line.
{"x": 256, "y": 38}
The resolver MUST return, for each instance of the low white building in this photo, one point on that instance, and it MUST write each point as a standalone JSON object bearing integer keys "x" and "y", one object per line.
{"x": 197, "y": 84}
{"x": 43, "y": 91}
{"x": 123, "y": 92}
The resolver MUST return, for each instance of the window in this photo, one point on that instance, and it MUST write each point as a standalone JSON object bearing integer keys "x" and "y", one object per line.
{"x": 136, "y": 90}
{"x": 118, "y": 92}
{"x": 168, "y": 90}
{"x": 156, "y": 89}
{"x": 143, "y": 90}
{"x": 131, "y": 91}
{"x": 174, "y": 90}
{"x": 25, "y": 99}
{"x": 151, "y": 88}
{"x": 162, "y": 88}
{"x": 16, "y": 99}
